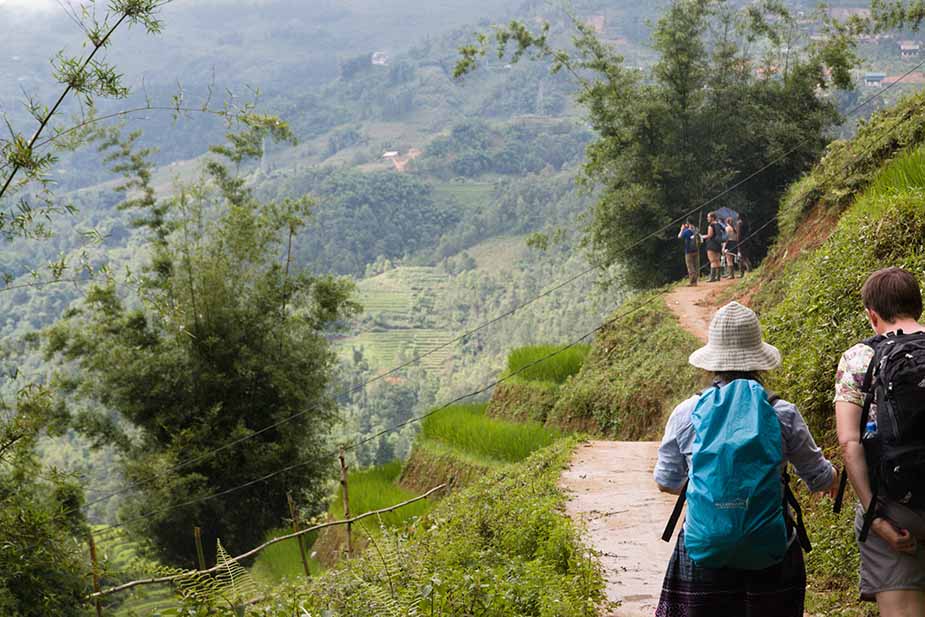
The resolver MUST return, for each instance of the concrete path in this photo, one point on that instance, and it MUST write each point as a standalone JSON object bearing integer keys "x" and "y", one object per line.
{"x": 611, "y": 490}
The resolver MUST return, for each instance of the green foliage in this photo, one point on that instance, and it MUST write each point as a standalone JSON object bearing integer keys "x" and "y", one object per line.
{"x": 43, "y": 567}
{"x": 832, "y": 566}
{"x": 283, "y": 560}
{"x": 219, "y": 340}
{"x": 523, "y": 400}
{"x": 366, "y": 216}
{"x": 87, "y": 77}
{"x": 466, "y": 428}
{"x": 534, "y": 364}
{"x": 821, "y": 314}
{"x": 502, "y": 545}
{"x": 473, "y": 148}
{"x": 621, "y": 390}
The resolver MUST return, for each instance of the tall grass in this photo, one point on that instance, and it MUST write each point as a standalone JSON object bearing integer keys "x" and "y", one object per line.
{"x": 374, "y": 489}
{"x": 555, "y": 369}
{"x": 901, "y": 174}
{"x": 467, "y": 428}
{"x": 283, "y": 560}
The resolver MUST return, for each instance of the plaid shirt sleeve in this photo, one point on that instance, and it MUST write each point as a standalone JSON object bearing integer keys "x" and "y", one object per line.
{"x": 849, "y": 378}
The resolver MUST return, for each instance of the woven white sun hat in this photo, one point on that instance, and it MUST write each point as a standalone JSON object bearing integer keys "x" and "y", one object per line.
{"x": 735, "y": 343}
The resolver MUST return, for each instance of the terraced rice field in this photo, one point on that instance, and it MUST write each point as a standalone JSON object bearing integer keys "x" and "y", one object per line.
{"x": 391, "y": 298}
{"x": 391, "y": 347}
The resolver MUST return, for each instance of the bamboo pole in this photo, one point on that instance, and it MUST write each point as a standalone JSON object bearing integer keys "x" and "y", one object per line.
{"x": 294, "y": 513}
{"x": 346, "y": 495}
{"x": 254, "y": 551}
{"x": 200, "y": 554}
{"x": 96, "y": 576}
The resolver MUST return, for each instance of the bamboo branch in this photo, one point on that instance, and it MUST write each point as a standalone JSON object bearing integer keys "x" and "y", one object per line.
{"x": 67, "y": 90}
{"x": 254, "y": 551}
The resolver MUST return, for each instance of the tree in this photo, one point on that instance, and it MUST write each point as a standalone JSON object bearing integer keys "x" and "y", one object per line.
{"x": 711, "y": 113}
{"x": 219, "y": 340}
{"x": 43, "y": 570}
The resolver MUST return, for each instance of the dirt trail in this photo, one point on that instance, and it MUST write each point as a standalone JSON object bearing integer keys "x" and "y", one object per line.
{"x": 611, "y": 490}
{"x": 694, "y": 306}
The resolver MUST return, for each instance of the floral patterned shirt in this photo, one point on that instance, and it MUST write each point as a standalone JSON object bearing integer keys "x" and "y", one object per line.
{"x": 849, "y": 379}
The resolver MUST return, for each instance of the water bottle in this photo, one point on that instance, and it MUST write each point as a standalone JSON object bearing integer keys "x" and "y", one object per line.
{"x": 871, "y": 442}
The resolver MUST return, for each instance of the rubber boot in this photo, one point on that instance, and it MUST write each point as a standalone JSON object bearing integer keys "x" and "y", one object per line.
{"x": 714, "y": 275}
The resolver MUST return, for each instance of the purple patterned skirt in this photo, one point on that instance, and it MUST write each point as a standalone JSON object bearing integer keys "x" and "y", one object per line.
{"x": 692, "y": 591}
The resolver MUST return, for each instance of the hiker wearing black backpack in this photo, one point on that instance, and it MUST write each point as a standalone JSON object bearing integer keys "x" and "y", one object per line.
{"x": 880, "y": 415}
{"x": 691, "y": 238}
{"x": 713, "y": 240}
{"x": 726, "y": 451}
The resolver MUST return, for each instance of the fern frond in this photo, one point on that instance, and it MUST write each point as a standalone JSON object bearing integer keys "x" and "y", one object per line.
{"x": 235, "y": 584}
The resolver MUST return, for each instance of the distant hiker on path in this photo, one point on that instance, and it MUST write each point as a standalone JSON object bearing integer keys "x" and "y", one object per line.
{"x": 691, "y": 238}
{"x": 880, "y": 416}
{"x": 720, "y": 567}
{"x": 731, "y": 248}
{"x": 742, "y": 236}
{"x": 713, "y": 240}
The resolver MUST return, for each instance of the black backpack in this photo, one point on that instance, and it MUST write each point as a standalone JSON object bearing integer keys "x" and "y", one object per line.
{"x": 895, "y": 381}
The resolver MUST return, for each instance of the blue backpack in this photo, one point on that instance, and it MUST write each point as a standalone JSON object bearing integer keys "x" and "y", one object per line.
{"x": 735, "y": 493}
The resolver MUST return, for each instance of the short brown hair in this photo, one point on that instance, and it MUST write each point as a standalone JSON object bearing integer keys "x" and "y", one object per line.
{"x": 893, "y": 292}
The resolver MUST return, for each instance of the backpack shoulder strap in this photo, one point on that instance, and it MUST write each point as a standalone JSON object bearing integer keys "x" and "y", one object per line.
{"x": 798, "y": 524}
{"x": 675, "y": 514}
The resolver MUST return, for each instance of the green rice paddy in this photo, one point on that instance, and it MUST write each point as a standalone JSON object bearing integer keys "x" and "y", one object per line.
{"x": 374, "y": 489}
{"x": 466, "y": 428}
{"x": 534, "y": 365}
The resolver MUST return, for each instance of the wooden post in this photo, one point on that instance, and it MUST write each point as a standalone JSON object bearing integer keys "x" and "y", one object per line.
{"x": 96, "y": 575}
{"x": 294, "y": 513}
{"x": 343, "y": 488}
{"x": 197, "y": 533}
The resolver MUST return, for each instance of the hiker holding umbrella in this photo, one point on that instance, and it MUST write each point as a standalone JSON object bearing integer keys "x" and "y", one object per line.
{"x": 726, "y": 450}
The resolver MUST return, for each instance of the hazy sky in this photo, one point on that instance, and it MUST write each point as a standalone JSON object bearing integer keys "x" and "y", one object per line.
{"x": 29, "y": 4}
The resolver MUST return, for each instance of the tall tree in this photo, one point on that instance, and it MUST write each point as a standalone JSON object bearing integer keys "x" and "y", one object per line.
{"x": 734, "y": 91}
{"x": 220, "y": 338}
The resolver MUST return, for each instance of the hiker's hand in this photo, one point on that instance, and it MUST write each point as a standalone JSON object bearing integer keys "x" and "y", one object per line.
{"x": 832, "y": 491}
{"x": 900, "y": 540}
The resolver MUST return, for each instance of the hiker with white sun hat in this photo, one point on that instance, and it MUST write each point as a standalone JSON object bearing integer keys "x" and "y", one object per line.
{"x": 725, "y": 452}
